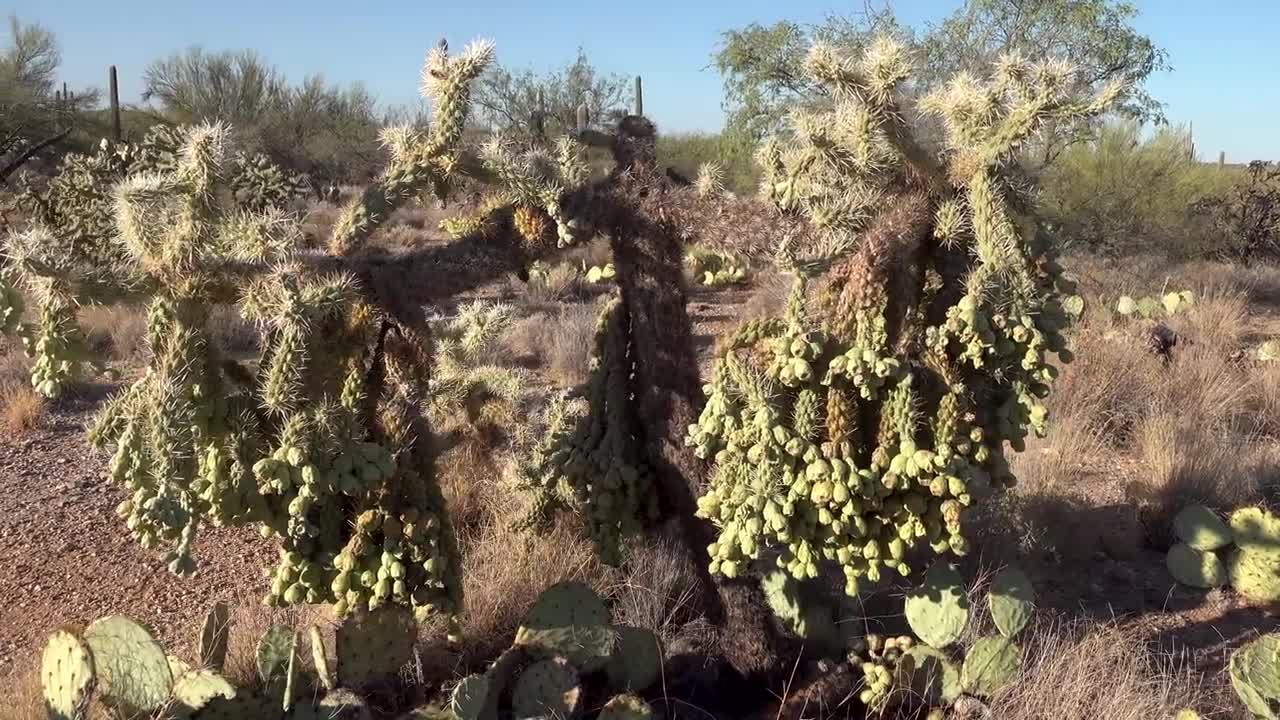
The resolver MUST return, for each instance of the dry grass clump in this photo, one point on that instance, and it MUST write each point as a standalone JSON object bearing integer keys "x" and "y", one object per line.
{"x": 548, "y": 284}
{"x": 1080, "y": 671}
{"x": 558, "y": 341}
{"x": 21, "y": 407}
{"x": 118, "y": 331}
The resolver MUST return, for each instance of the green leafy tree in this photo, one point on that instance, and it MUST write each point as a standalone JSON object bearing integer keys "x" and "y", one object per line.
{"x": 761, "y": 64}
{"x": 511, "y": 100}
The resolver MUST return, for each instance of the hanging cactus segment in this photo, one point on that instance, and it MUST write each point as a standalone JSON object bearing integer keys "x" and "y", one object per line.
{"x": 67, "y": 675}
{"x": 938, "y": 610}
{"x": 1201, "y": 528}
{"x": 133, "y": 673}
{"x": 214, "y": 632}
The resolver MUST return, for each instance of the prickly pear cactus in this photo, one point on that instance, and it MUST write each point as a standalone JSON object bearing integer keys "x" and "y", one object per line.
{"x": 626, "y": 707}
{"x": 802, "y": 611}
{"x": 1255, "y": 676}
{"x": 568, "y": 619}
{"x": 929, "y": 674}
{"x": 274, "y": 653}
{"x": 1012, "y": 599}
{"x": 856, "y": 430}
{"x": 547, "y": 688}
{"x": 1195, "y": 568}
{"x": 67, "y": 675}
{"x": 1255, "y": 573}
{"x": 1201, "y": 528}
{"x": 198, "y": 688}
{"x": 214, "y": 632}
{"x": 131, "y": 668}
{"x": 474, "y": 698}
{"x": 1255, "y": 527}
{"x": 990, "y": 665}
{"x": 938, "y": 610}
{"x": 374, "y": 645}
{"x": 636, "y": 661}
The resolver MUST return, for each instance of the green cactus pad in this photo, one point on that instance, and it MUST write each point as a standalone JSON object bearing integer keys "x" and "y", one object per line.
{"x": 1187, "y": 714}
{"x": 939, "y": 609}
{"x": 1073, "y": 305}
{"x": 474, "y": 699}
{"x": 1201, "y": 528}
{"x": 929, "y": 674}
{"x": 374, "y": 645}
{"x": 1255, "y": 574}
{"x": 66, "y": 672}
{"x": 1126, "y": 305}
{"x": 198, "y": 688}
{"x": 636, "y": 662}
{"x": 274, "y": 651}
{"x": 568, "y": 619}
{"x": 1013, "y": 601}
{"x": 246, "y": 704}
{"x": 990, "y": 665}
{"x": 177, "y": 666}
{"x": 1149, "y": 308}
{"x": 626, "y": 707}
{"x": 547, "y": 688}
{"x": 1253, "y": 527}
{"x": 212, "y": 647}
{"x": 1255, "y": 676}
{"x": 132, "y": 670}
{"x": 1195, "y": 568}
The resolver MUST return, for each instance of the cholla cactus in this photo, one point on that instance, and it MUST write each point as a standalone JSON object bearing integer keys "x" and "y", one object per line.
{"x": 467, "y": 382}
{"x": 325, "y": 447}
{"x": 259, "y": 183}
{"x": 419, "y": 161}
{"x": 710, "y": 180}
{"x": 857, "y": 430}
{"x": 536, "y": 182}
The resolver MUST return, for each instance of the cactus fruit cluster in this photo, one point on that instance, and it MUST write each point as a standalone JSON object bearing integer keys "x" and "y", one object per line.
{"x": 598, "y": 455}
{"x": 122, "y": 664}
{"x": 1255, "y": 676}
{"x": 1243, "y": 552}
{"x": 856, "y": 430}
{"x": 566, "y": 645}
{"x": 601, "y": 273}
{"x": 919, "y": 668}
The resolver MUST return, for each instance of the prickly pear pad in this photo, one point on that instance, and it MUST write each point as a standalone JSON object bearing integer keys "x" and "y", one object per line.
{"x": 990, "y": 665}
{"x": 939, "y": 609}
{"x": 374, "y": 645}
{"x": 133, "y": 672}
{"x": 547, "y": 688}
{"x": 1195, "y": 568}
{"x": 66, "y": 671}
{"x": 1201, "y": 528}
{"x": 213, "y": 636}
{"x": 636, "y": 662}
{"x": 198, "y": 688}
{"x": 1012, "y": 600}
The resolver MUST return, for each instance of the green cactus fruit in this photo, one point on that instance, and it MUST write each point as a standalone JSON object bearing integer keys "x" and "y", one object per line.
{"x": 1172, "y": 302}
{"x": 939, "y": 609}
{"x": 1255, "y": 676}
{"x": 1195, "y": 568}
{"x": 1073, "y": 305}
{"x": 133, "y": 673}
{"x": 626, "y": 707}
{"x": 1269, "y": 351}
{"x": 212, "y": 647}
{"x": 1187, "y": 714}
{"x": 1201, "y": 528}
{"x": 273, "y": 655}
{"x": 636, "y": 662}
{"x": 1253, "y": 527}
{"x": 474, "y": 699}
{"x": 1013, "y": 601}
{"x": 547, "y": 688}
{"x": 929, "y": 674}
{"x": 198, "y": 688}
{"x": 374, "y": 645}
{"x": 1126, "y": 306}
{"x": 66, "y": 672}
{"x": 1255, "y": 574}
{"x": 990, "y": 665}
{"x": 320, "y": 659}
{"x": 568, "y": 619}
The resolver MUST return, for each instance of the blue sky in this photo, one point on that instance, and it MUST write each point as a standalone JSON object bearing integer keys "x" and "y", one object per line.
{"x": 1224, "y": 54}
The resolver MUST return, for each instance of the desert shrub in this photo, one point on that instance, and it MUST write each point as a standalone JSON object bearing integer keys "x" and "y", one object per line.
{"x": 687, "y": 152}
{"x": 1246, "y": 217}
{"x": 1128, "y": 193}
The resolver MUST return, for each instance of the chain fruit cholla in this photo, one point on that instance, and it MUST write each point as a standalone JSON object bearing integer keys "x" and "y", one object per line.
{"x": 857, "y": 429}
